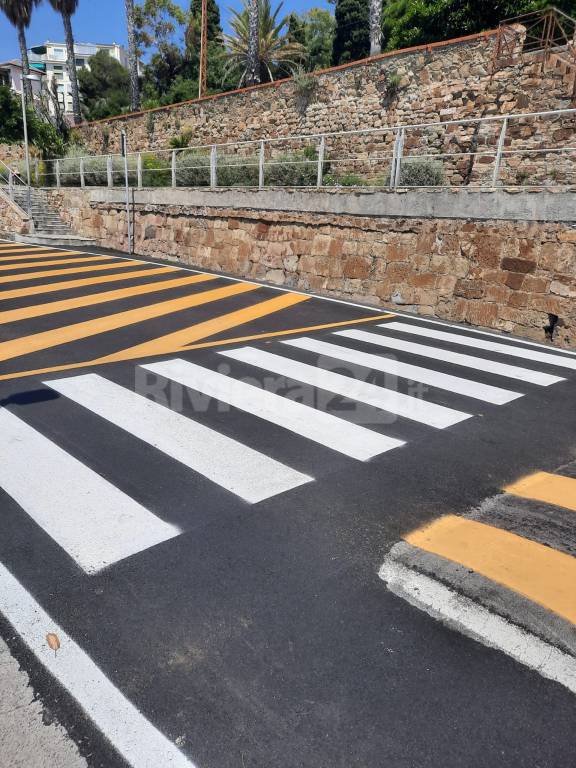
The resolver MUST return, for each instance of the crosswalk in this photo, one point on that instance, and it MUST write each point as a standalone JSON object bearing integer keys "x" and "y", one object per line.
{"x": 98, "y": 525}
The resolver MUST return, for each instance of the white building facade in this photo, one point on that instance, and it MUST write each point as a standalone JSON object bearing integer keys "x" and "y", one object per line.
{"x": 11, "y": 75}
{"x": 51, "y": 59}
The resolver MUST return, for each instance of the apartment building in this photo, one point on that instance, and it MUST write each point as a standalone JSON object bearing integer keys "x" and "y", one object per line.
{"x": 51, "y": 59}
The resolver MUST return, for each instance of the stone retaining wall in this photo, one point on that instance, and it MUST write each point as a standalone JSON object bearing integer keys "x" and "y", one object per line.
{"x": 439, "y": 82}
{"x": 13, "y": 221}
{"x": 507, "y": 275}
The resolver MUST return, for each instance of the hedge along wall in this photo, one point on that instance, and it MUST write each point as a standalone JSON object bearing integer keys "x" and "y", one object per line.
{"x": 440, "y": 82}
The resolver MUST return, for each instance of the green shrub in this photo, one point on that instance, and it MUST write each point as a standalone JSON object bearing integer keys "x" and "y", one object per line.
{"x": 421, "y": 173}
{"x": 183, "y": 140}
{"x": 156, "y": 171}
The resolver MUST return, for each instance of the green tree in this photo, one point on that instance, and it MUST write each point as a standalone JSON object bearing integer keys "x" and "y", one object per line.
{"x": 41, "y": 133}
{"x": 105, "y": 87}
{"x": 352, "y": 33}
{"x": 19, "y": 14}
{"x": 296, "y": 29}
{"x": 415, "y": 22}
{"x": 67, "y": 8}
{"x": 319, "y": 27}
{"x": 276, "y": 53}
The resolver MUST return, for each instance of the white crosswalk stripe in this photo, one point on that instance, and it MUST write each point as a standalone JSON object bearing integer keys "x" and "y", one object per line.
{"x": 475, "y": 389}
{"x": 502, "y": 337}
{"x": 490, "y": 346}
{"x": 394, "y": 402}
{"x": 457, "y": 358}
{"x": 93, "y": 521}
{"x": 232, "y": 465}
{"x": 337, "y": 434}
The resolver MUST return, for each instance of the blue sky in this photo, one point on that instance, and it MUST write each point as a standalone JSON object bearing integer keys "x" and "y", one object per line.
{"x": 100, "y": 22}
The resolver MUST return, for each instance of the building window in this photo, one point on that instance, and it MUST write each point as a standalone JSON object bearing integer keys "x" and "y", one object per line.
{"x": 80, "y": 63}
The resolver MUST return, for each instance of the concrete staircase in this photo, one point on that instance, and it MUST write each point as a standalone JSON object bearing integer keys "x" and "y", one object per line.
{"x": 49, "y": 228}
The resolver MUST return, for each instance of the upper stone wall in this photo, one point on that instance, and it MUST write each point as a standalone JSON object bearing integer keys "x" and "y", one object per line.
{"x": 439, "y": 82}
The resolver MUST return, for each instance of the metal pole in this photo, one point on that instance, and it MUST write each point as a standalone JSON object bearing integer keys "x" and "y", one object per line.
{"x": 11, "y": 183}
{"x": 109, "y": 171}
{"x": 213, "y": 167}
{"x": 36, "y": 172}
{"x": 127, "y": 181}
{"x": 261, "y": 166}
{"x": 399, "y": 153}
{"x": 82, "y": 179}
{"x": 498, "y": 160}
{"x": 173, "y": 168}
{"x": 394, "y": 161}
{"x": 57, "y": 174}
{"x": 26, "y": 148}
{"x": 139, "y": 169}
{"x": 321, "y": 152}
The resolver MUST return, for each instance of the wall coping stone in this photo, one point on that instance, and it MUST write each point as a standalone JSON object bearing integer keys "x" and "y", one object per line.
{"x": 484, "y": 204}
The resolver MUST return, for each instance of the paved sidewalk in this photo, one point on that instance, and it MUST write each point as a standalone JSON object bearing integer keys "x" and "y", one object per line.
{"x": 25, "y": 740}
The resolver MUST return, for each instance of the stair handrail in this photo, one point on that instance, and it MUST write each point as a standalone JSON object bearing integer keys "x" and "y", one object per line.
{"x": 12, "y": 178}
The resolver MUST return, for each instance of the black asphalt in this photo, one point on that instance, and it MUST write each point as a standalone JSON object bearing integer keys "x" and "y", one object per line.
{"x": 263, "y": 636}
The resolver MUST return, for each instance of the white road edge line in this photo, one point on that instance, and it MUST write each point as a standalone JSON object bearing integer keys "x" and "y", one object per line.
{"x": 473, "y": 620}
{"x": 130, "y": 733}
{"x": 280, "y": 288}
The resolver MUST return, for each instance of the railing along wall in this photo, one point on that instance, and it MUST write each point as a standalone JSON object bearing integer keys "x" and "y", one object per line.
{"x": 536, "y": 149}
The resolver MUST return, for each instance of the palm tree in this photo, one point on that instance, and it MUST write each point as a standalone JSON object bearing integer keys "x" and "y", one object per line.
{"x": 132, "y": 56}
{"x": 375, "y": 27}
{"x": 253, "y": 73}
{"x": 19, "y": 14}
{"x": 67, "y": 8}
{"x": 273, "y": 48}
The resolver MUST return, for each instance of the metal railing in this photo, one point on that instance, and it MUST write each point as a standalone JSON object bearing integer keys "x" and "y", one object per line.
{"x": 535, "y": 149}
{"x": 13, "y": 183}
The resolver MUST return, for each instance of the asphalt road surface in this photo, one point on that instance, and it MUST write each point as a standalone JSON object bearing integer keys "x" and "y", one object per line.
{"x": 200, "y": 481}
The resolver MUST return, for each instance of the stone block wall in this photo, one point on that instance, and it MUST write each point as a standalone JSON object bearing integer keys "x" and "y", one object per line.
{"x": 439, "y": 82}
{"x": 13, "y": 221}
{"x": 11, "y": 153}
{"x": 512, "y": 276}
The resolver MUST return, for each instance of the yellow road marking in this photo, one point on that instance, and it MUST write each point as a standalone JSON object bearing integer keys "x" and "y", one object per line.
{"x": 174, "y": 341}
{"x": 33, "y": 264}
{"x": 543, "y": 486}
{"x": 542, "y": 574}
{"x": 31, "y": 251}
{"x": 84, "y": 281}
{"x": 25, "y": 345}
{"x": 22, "y": 246}
{"x": 272, "y": 334}
{"x": 4, "y": 259}
{"x": 62, "y": 272}
{"x": 205, "y": 345}
{"x": 51, "y": 307}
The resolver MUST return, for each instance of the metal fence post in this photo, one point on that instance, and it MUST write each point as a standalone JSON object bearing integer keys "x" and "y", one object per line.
{"x": 399, "y": 154}
{"x": 57, "y": 174}
{"x": 173, "y": 167}
{"x": 261, "y": 166}
{"x": 82, "y": 179}
{"x": 109, "y": 171}
{"x": 213, "y": 167}
{"x": 321, "y": 152}
{"x": 139, "y": 170}
{"x": 11, "y": 184}
{"x": 36, "y": 171}
{"x": 500, "y": 148}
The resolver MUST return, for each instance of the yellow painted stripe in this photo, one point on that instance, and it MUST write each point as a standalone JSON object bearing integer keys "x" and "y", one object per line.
{"x": 34, "y": 264}
{"x": 55, "y": 337}
{"x": 542, "y": 574}
{"x": 47, "y": 255}
{"x": 64, "y": 272}
{"x": 92, "y": 363}
{"x": 290, "y": 331}
{"x": 174, "y": 341}
{"x": 34, "y": 290}
{"x": 552, "y": 489}
{"x": 31, "y": 251}
{"x": 9, "y": 246}
{"x": 51, "y": 307}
